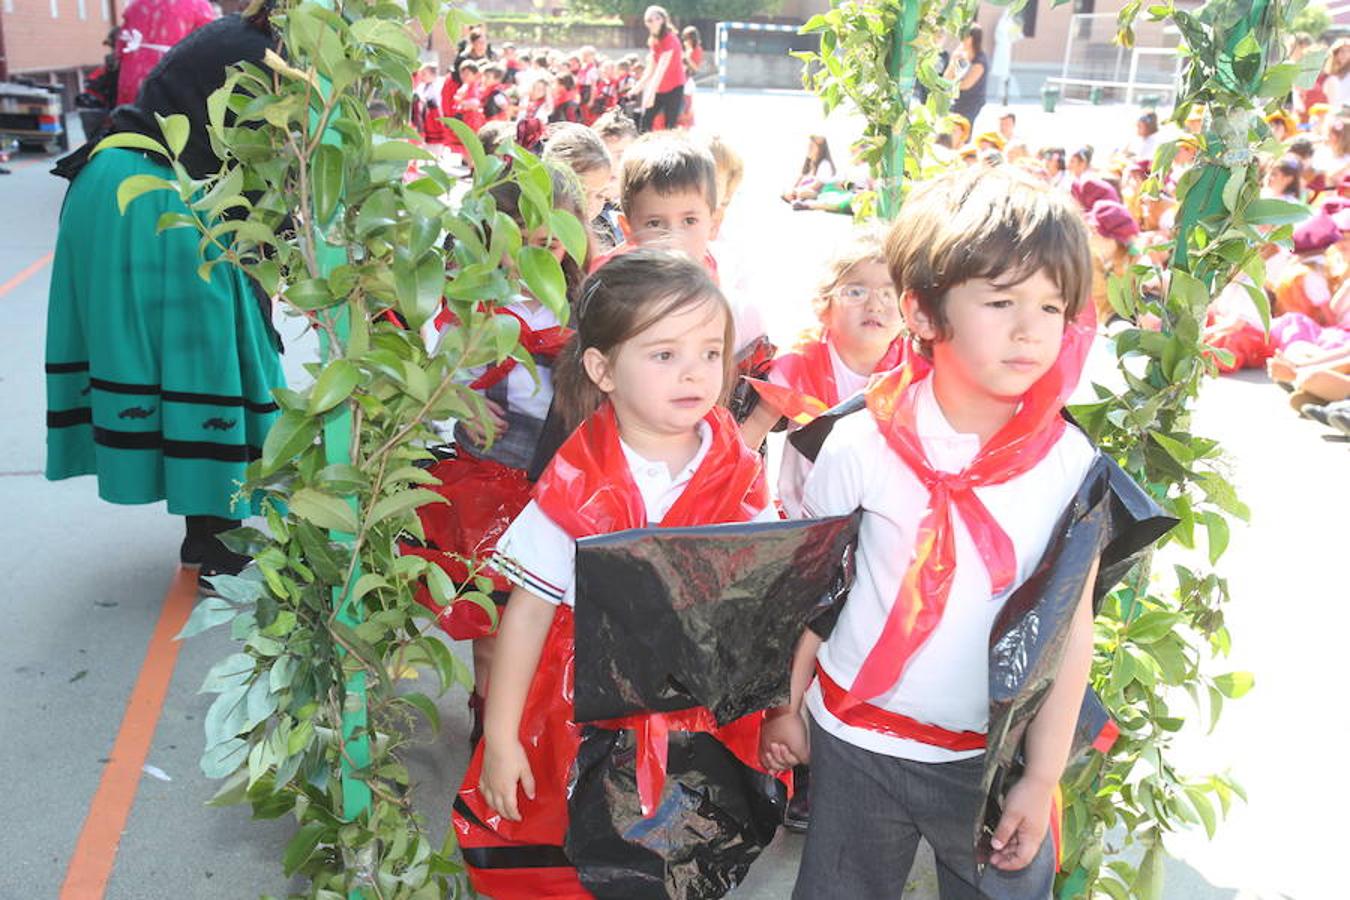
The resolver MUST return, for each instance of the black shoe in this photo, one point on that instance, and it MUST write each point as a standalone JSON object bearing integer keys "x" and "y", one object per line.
{"x": 203, "y": 547}
{"x": 1315, "y": 411}
{"x": 798, "y": 813}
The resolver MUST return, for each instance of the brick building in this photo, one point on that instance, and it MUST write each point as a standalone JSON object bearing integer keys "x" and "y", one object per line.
{"x": 54, "y": 40}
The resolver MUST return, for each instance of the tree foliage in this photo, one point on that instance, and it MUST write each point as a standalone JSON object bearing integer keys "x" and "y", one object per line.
{"x": 685, "y": 10}
{"x": 1161, "y": 634}
{"x": 329, "y": 219}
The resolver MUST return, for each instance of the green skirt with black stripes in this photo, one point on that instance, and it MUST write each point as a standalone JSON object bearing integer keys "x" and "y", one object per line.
{"x": 158, "y": 383}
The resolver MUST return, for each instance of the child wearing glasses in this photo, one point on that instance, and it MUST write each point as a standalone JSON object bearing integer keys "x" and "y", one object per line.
{"x": 859, "y": 335}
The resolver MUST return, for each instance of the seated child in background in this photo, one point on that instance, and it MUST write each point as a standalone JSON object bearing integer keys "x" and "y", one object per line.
{"x": 640, "y": 383}
{"x": 817, "y": 168}
{"x": 860, "y": 334}
{"x": 993, "y": 269}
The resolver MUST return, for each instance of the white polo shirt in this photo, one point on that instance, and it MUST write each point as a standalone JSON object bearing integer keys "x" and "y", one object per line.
{"x": 946, "y": 681}
{"x": 794, "y": 468}
{"x": 538, "y": 555}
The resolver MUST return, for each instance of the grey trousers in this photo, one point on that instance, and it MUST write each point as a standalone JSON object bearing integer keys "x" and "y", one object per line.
{"x": 868, "y": 812}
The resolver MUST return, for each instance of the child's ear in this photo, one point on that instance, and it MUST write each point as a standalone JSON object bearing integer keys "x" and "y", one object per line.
{"x": 597, "y": 369}
{"x": 920, "y": 325}
{"x": 625, "y": 227}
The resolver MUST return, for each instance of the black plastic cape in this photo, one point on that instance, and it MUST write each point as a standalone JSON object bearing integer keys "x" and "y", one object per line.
{"x": 1110, "y": 517}
{"x": 676, "y": 618}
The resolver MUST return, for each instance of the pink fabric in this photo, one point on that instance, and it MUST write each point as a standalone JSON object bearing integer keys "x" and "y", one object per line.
{"x": 160, "y": 23}
{"x": 1293, "y": 327}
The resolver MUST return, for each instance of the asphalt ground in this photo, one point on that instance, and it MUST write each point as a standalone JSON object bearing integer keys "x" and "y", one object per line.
{"x": 85, "y": 584}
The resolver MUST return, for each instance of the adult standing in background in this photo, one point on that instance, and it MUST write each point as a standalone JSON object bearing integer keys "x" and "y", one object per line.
{"x": 662, "y": 84}
{"x": 969, "y": 68}
{"x": 159, "y": 383}
{"x": 149, "y": 29}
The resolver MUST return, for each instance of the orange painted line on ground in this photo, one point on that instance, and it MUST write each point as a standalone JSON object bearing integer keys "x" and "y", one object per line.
{"x": 96, "y": 849}
{"x": 26, "y": 274}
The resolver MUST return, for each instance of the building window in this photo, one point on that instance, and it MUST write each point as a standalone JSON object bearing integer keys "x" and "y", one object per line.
{"x": 103, "y": 9}
{"x": 56, "y": 10}
{"x": 79, "y": 9}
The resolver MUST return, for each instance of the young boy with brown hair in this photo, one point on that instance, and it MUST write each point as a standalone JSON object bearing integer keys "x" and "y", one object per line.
{"x": 938, "y": 710}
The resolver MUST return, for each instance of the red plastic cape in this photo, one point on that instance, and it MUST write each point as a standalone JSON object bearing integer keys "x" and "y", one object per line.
{"x": 545, "y": 343}
{"x": 587, "y": 489}
{"x": 809, "y": 373}
{"x": 1016, "y": 448}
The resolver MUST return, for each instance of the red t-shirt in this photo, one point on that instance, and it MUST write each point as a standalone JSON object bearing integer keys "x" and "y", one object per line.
{"x": 674, "y": 75}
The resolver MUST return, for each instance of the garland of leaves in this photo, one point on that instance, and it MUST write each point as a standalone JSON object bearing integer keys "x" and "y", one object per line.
{"x": 1158, "y": 633}
{"x": 312, "y": 169}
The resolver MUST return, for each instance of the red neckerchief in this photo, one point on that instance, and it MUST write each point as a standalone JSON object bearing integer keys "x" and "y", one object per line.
{"x": 588, "y": 489}
{"x": 809, "y": 373}
{"x": 546, "y": 343}
{"x": 1022, "y": 443}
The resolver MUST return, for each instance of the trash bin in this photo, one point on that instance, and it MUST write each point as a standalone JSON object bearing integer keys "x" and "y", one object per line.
{"x": 1095, "y": 95}
{"x": 1049, "y": 97}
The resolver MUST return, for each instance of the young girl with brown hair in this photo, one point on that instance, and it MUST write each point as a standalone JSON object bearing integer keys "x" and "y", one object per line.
{"x": 642, "y": 382}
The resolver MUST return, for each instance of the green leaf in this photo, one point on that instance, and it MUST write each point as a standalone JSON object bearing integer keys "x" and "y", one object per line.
{"x": 224, "y": 758}
{"x": 175, "y": 130}
{"x": 130, "y": 140}
{"x": 399, "y": 151}
{"x": 387, "y": 34}
{"x": 291, "y": 434}
{"x": 367, "y": 583}
{"x": 328, "y": 173}
{"x": 259, "y": 703}
{"x": 334, "y": 385}
{"x": 230, "y": 672}
{"x": 211, "y": 612}
{"x": 227, "y": 716}
{"x": 324, "y": 510}
{"x": 1200, "y": 803}
{"x": 1268, "y": 211}
{"x": 303, "y": 844}
{"x": 570, "y": 232}
{"x": 282, "y": 673}
{"x": 402, "y": 502}
{"x": 1235, "y": 684}
{"x": 1152, "y": 626}
{"x": 134, "y": 186}
{"x": 423, "y": 704}
{"x": 485, "y": 602}
{"x": 310, "y": 293}
{"x": 234, "y": 791}
{"x": 471, "y": 143}
{"x": 544, "y": 277}
{"x": 1216, "y": 528}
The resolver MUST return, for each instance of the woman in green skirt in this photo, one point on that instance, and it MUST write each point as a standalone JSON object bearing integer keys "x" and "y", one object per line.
{"x": 159, "y": 383}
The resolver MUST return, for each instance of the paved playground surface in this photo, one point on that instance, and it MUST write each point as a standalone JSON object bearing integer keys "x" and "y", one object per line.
{"x": 85, "y": 584}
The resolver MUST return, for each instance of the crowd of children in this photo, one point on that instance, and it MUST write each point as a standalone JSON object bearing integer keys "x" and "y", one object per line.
{"x": 530, "y": 88}
{"x": 1132, "y": 215}
{"x": 932, "y": 385}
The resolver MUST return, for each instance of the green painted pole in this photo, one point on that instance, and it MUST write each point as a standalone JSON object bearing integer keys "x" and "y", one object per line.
{"x": 900, "y": 65}
{"x": 1206, "y": 195}
{"x": 337, "y": 442}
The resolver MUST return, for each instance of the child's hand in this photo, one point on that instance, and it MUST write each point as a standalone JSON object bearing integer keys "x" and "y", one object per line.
{"x": 1026, "y": 816}
{"x": 504, "y": 767}
{"x": 783, "y": 741}
{"x": 498, "y": 418}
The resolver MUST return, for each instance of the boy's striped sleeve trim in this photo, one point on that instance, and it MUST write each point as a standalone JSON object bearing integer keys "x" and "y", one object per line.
{"x": 517, "y": 574}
